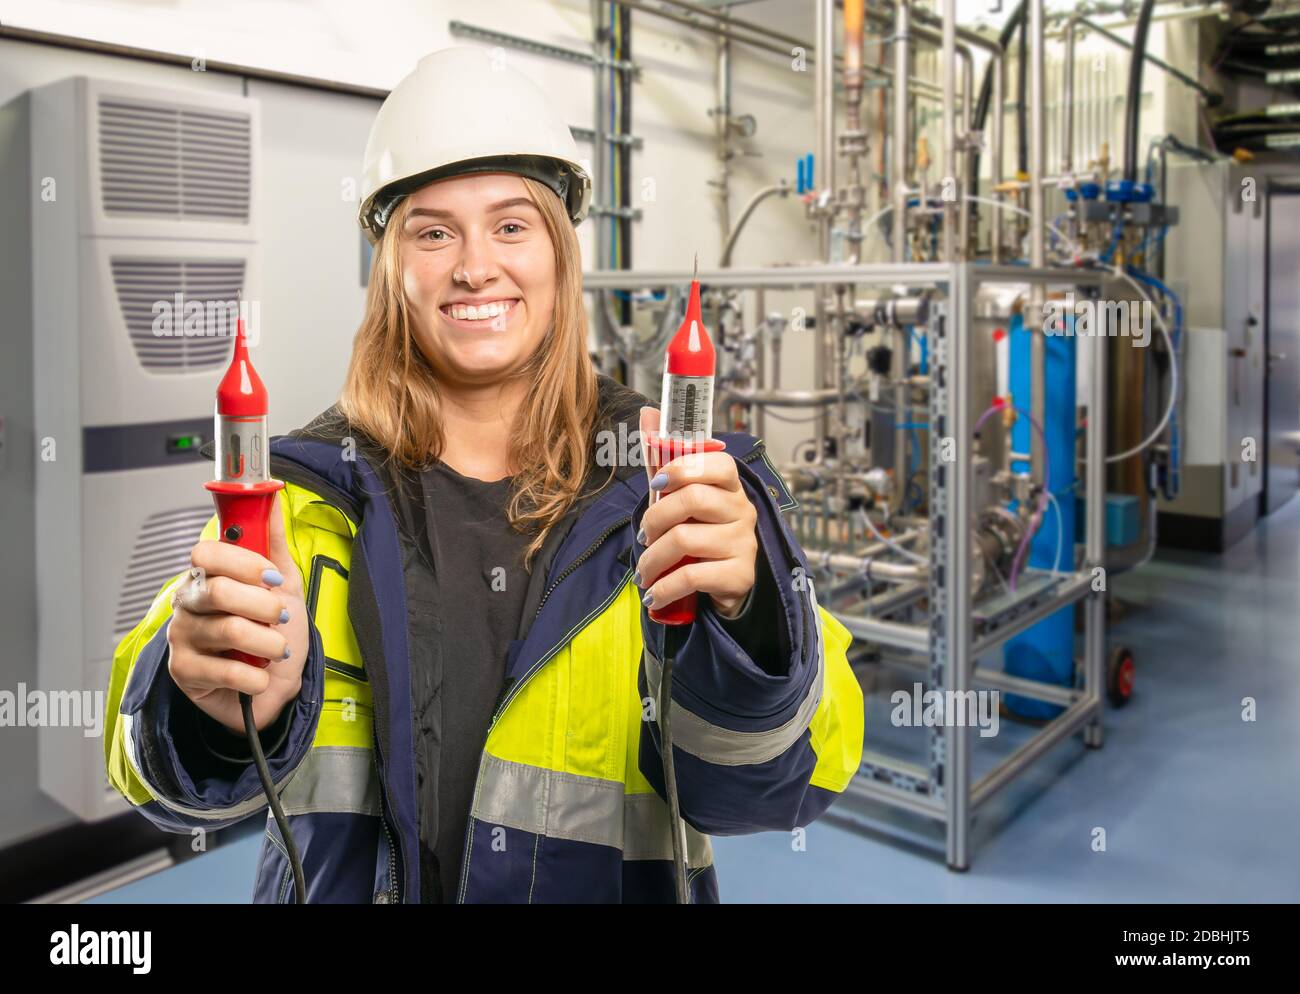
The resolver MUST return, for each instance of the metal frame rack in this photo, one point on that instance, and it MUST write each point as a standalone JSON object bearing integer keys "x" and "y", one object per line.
{"x": 956, "y": 634}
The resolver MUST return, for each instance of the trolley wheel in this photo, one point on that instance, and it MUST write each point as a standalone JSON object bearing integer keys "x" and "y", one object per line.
{"x": 1120, "y": 673}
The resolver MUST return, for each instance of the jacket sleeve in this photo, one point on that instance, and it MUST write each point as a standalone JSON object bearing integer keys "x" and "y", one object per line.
{"x": 766, "y": 715}
{"x": 179, "y": 768}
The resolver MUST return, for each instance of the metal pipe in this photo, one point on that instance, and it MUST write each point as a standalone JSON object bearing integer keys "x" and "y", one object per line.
{"x": 783, "y": 398}
{"x": 1037, "y": 239}
{"x": 995, "y": 165}
{"x": 1061, "y": 728}
{"x": 757, "y": 39}
{"x": 968, "y": 154}
{"x": 754, "y": 201}
{"x": 887, "y": 632}
{"x": 1067, "y": 124}
{"x": 824, "y": 165}
{"x": 1095, "y": 528}
{"x": 722, "y": 134}
{"x": 901, "y": 136}
{"x": 760, "y": 357}
{"x": 853, "y": 62}
{"x": 719, "y": 15}
{"x": 949, "y": 59}
{"x": 955, "y": 663}
{"x": 921, "y": 18}
{"x": 605, "y": 329}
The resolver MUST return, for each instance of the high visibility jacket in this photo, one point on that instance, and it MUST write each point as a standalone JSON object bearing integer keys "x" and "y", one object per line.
{"x": 568, "y": 804}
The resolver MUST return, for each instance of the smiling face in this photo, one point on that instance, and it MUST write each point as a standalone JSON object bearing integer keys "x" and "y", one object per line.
{"x": 478, "y": 268}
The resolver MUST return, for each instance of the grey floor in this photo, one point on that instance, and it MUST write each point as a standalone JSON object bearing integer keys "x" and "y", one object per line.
{"x": 1197, "y": 804}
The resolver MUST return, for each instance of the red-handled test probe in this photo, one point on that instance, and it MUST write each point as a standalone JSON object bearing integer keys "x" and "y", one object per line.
{"x": 685, "y": 418}
{"x": 685, "y": 427}
{"x": 245, "y": 496}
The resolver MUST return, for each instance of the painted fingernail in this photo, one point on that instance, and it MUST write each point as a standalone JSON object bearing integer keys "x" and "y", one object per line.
{"x": 636, "y": 578}
{"x": 640, "y": 536}
{"x": 284, "y": 615}
{"x": 648, "y": 599}
{"x": 272, "y": 577}
{"x": 286, "y": 652}
{"x": 659, "y": 482}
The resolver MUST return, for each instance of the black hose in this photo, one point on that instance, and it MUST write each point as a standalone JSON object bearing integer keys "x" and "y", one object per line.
{"x": 273, "y": 798}
{"x": 680, "y": 888}
{"x": 1022, "y": 85}
{"x": 1133, "y": 105}
{"x": 986, "y": 86}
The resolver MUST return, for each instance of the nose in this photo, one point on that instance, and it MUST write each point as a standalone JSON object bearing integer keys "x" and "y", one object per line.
{"x": 477, "y": 265}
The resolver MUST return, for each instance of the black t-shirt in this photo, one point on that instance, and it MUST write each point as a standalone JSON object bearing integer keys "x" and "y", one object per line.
{"x": 481, "y": 589}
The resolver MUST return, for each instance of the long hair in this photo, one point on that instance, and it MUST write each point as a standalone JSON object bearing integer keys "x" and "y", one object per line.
{"x": 392, "y": 394}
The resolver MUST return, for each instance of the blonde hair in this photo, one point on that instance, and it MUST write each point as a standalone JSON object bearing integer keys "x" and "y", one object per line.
{"x": 392, "y": 394}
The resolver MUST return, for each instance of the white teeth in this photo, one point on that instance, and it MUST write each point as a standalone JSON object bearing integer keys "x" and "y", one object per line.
{"x": 482, "y": 312}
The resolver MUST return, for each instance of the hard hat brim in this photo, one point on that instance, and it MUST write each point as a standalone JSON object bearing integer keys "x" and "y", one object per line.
{"x": 568, "y": 180}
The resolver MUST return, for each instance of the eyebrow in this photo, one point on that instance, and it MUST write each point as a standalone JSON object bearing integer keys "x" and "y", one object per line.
{"x": 492, "y": 209}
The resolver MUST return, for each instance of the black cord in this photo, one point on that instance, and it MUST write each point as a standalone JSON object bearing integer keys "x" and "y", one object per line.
{"x": 273, "y": 798}
{"x": 672, "y": 635}
{"x": 1133, "y": 106}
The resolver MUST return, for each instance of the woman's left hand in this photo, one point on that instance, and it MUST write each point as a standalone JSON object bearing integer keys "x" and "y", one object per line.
{"x": 703, "y": 512}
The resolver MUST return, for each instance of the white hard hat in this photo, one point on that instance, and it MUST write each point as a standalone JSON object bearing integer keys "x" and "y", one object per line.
{"x": 461, "y": 111}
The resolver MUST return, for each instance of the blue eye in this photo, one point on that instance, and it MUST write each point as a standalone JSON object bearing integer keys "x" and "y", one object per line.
{"x": 511, "y": 224}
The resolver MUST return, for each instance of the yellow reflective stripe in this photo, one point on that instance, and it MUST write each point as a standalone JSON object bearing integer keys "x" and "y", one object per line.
{"x": 838, "y": 724}
{"x": 581, "y": 809}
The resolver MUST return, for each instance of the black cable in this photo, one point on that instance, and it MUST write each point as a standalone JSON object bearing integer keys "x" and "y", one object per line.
{"x": 1133, "y": 105}
{"x": 672, "y": 635}
{"x": 273, "y": 798}
{"x": 1022, "y": 121}
{"x": 986, "y": 92}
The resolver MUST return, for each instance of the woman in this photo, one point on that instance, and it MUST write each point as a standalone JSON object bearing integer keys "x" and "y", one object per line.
{"x": 460, "y": 703}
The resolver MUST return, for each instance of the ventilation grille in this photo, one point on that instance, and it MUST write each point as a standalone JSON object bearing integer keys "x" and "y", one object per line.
{"x": 160, "y": 161}
{"x": 162, "y": 551}
{"x": 146, "y": 292}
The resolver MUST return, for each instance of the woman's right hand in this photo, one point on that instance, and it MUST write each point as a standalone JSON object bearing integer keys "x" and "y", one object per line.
{"x": 240, "y": 605}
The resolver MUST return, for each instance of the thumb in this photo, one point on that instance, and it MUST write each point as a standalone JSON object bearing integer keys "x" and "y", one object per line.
{"x": 278, "y": 552}
{"x": 649, "y": 424}
{"x": 649, "y": 420}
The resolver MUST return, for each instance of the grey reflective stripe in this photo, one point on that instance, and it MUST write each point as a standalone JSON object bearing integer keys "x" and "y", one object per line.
{"x": 334, "y": 778}
{"x": 725, "y": 747}
{"x": 562, "y": 805}
{"x": 645, "y": 833}
{"x": 330, "y": 778}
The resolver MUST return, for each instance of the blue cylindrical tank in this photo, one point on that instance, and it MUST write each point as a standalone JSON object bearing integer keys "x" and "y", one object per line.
{"x": 1045, "y": 652}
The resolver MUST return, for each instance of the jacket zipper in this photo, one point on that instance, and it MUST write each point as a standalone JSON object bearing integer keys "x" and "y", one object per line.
{"x": 392, "y": 848}
{"x": 513, "y": 691}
